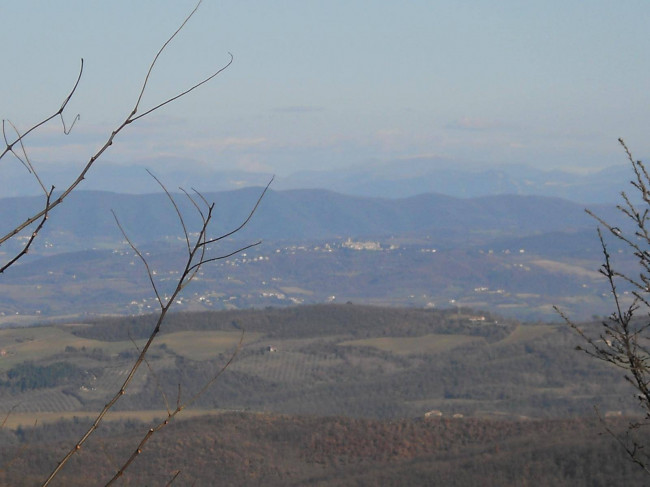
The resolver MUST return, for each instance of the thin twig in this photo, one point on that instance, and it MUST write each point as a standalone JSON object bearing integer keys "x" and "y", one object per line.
{"x": 186, "y": 275}
{"x": 26, "y": 162}
{"x": 631, "y": 450}
{"x": 180, "y": 407}
{"x": 171, "y": 481}
{"x": 178, "y": 212}
{"x": 6, "y": 417}
{"x": 32, "y": 237}
{"x": 153, "y": 374}
{"x": 59, "y": 112}
{"x": 141, "y": 257}
{"x": 164, "y": 307}
{"x": 129, "y": 119}
{"x": 622, "y": 341}
{"x": 250, "y": 215}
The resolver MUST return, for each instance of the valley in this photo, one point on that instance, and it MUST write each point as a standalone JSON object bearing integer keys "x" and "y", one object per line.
{"x": 329, "y": 360}
{"x": 395, "y": 339}
{"x": 512, "y": 255}
{"x": 325, "y": 394}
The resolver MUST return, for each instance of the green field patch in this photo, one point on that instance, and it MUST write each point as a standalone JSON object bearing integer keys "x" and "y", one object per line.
{"x": 432, "y": 343}
{"x": 524, "y": 333}
{"x": 566, "y": 268}
{"x": 18, "y": 345}
{"x": 204, "y": 345}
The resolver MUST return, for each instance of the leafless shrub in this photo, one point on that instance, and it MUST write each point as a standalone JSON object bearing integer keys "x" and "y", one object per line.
{"x": 624, "y": 338}
{"x": 198, "y": 254}
{"x": 200, "y": 249}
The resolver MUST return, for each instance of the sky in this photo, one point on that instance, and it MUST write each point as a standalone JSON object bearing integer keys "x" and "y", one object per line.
{"x": 319, "y": 85}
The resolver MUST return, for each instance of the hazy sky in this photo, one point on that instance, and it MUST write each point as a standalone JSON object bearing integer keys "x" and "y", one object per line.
{"x": 321, "y": 84}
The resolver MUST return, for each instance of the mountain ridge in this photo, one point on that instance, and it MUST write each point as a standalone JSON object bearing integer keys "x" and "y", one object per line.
{"x": 303, "y": 214}
{"x": 393, "y": 179}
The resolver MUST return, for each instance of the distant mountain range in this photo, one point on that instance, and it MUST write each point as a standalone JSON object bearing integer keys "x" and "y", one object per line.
{"x": 513, "y": 254}
{"x": 394, "y": 179}
{"x": 86, "y": 218}
{"x": 399, "y": 179}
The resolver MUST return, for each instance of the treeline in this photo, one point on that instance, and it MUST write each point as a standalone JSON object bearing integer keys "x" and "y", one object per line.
{"x": 27, "y": 376}
{"x": 257, "y": 449}
{"x": 359, "y": 321}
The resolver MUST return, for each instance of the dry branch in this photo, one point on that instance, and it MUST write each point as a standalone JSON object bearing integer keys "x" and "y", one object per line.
{"x": 172, "y": 414}
{"x": 624, "y": 339}
{"x": 131, "y": 117}
{"x": 196, "y": 257}
{"x": 198, "y": 253}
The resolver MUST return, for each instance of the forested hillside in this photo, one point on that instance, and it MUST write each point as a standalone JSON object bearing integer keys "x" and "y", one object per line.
{"x": 351, "y": 360}
{"x": 239, "y": 449}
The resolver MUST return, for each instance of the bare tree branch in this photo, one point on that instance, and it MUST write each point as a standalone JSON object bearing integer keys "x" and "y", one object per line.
{"x": 171, "y": 481}
{"x": 178, "y": 212}
{"x": 26, "y": 162}
{"x": 132, "y": 117}
{"x": 250, "y": 215}
{"x": 192, "y": 88}
{"x": 153, "y": 374}
{"x": 170, "y": 416}
{"x": 9, "y": 146}
{"x": 195, "y": 259}
{"x": 624, "y": 340}
{"x": 198, "y": 251}
{"x": 32, "y": 237}
{"x": 141, "y": 257}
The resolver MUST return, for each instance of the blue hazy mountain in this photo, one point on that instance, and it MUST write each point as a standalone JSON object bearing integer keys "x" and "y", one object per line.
{"x": 303, "y": 214}
{"x": 394, "y": 179}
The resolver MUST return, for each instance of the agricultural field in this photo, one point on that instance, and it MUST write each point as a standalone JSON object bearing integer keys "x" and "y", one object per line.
{"x": 433, "y": 343}
{"x": 322, "y": 394}
{"x": 327, "y": 359}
